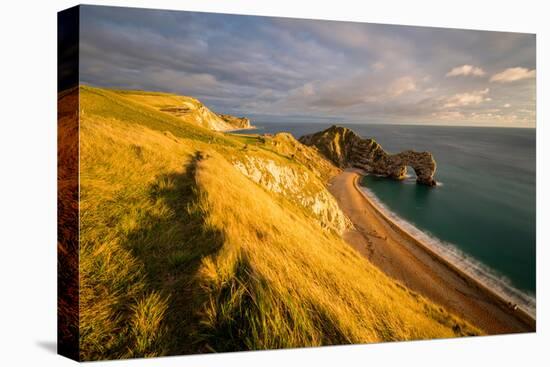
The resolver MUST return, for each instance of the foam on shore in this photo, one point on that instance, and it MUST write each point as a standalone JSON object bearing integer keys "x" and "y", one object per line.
{"x": 472, "y": 267}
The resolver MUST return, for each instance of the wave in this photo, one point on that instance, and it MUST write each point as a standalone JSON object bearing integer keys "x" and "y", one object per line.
{"x": 491, "y": 279}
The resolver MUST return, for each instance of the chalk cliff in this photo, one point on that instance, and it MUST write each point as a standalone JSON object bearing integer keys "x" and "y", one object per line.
{"x": 298, "y": 174}
{"x": 347, "y": 149}
{"x": 191, "y": 110}
{"x": 236, "y": 122}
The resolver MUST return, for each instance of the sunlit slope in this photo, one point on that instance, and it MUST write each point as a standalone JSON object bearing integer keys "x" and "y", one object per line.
{"x": 278, "y": 280}
{"x": 187, "y": 109}
{"x": 184, "y": 251}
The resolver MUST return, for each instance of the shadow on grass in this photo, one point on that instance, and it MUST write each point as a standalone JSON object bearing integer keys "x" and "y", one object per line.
{"x": 171, "y": 246}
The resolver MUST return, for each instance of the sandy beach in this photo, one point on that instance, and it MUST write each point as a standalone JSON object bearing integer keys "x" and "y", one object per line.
{"x": 408, "y": 260}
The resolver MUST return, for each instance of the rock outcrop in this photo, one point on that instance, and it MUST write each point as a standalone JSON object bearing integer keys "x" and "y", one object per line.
{"x": 192, "y": 110}
{"x": 236, "y": 122}
{"x": 296, "y": 185}
{"x": 286, "y": 145}
{"x": 347, "y": 149}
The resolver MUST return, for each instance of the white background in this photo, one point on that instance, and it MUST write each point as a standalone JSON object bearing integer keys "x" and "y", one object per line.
{"x": 28, "y": 182}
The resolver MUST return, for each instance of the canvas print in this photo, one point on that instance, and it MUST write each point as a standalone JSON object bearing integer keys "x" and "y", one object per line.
{"x": 234, "y": 183}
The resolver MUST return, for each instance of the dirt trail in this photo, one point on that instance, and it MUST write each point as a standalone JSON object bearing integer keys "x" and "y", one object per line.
{"x": 409, "y": 261}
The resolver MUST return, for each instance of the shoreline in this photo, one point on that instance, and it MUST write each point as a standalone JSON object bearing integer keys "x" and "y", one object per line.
{"x": 404, "y": 257}
{"x": 448, "y": 260}
{"x": 478, "y": 283}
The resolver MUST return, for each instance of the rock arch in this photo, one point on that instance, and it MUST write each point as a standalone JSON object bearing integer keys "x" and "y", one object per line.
{"x": 395, "y": 166}
{"x": 347, "y": 149}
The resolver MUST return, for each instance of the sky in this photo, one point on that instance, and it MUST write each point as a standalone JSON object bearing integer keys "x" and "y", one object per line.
{"x": 297, "y": 70}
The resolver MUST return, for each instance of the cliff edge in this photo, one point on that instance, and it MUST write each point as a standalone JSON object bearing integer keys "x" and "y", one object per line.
{"x": 346, "y": 149}
{"x": 187, "y": 109}
{"x": 236, "y": 122}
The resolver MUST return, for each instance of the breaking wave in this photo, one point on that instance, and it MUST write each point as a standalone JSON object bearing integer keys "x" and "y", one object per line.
{"x": 466, "y": 263}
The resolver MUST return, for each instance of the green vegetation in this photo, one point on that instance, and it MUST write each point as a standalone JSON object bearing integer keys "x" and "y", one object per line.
{"x": 182, "y": 253}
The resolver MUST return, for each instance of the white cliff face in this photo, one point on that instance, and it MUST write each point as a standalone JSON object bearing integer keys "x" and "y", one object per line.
{"x": 193, "y": 111}
{"x": 212, "y": 121}
{"x": 300, "y": 187}
{"x": 270, "y": 175}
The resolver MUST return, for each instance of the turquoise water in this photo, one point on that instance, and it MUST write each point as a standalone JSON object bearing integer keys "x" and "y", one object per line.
{"x": 482, "y": 214}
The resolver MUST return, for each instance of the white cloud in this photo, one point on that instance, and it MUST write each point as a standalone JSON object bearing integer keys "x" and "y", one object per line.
{"x": 466, "y": 70}
{"x": 507, "y": 105}
{"x": 402, "y": 85}
{"x": 378, "y": 66}
{"x": 307, "y": 90}
{"x": 465, "y": 99}
{"x": 513, "y": 74}
{"x": 320, "y": 70}
{"x": 448, "y": 115}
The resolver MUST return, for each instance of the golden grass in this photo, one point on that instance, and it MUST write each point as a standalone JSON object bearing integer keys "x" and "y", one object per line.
{"x": 280, "y": 281}
{"x": 121, "y": 306}
{"x": 180, "y": 253}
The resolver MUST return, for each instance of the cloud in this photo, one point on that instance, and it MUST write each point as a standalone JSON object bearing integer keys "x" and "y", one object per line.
{"x": 378, "y": 66}
{"x": 402, "y": 85}
{"x": 315, "y": 70}
{"x": 507, "y": 105}
{"x": 448, "y": 115}
{"x": 466, "y": 99}
{"x": 465, "y": 70}
{"x": 513, "y": 74}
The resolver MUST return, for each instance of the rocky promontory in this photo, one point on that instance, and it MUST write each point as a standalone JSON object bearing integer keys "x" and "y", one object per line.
{"x": 193, "y": 111}
{"x": 347, "y": 149}
{"x": 237, "y": 122}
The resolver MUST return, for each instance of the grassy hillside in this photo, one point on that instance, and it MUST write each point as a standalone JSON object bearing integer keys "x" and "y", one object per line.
{"x": 188, "y": 247}
{"x": 187, "y": 109}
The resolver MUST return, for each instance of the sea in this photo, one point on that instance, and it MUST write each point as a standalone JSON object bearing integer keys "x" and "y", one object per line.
{"x": 481, "y": 216}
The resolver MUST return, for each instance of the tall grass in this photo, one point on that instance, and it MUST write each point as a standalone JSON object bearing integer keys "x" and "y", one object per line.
{"x": 280, "y": 281}
{"x": 180, "y": 253}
